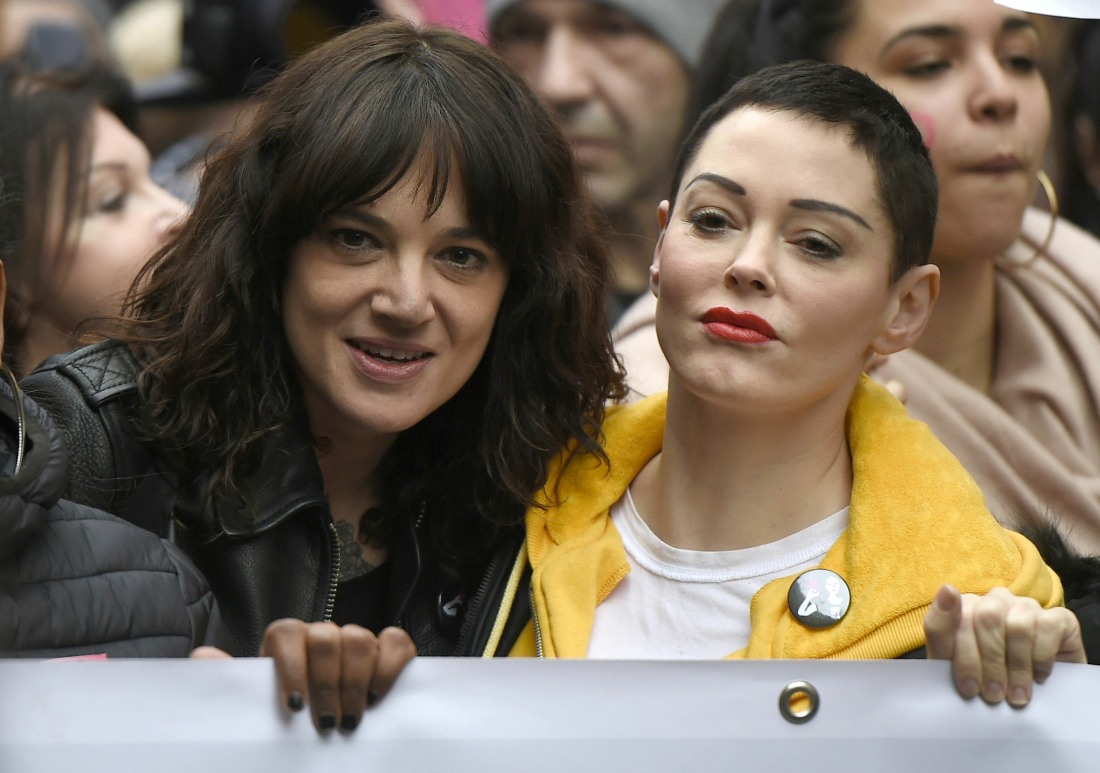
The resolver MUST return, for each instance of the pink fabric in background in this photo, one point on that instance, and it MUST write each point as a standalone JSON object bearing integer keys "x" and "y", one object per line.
{"x": 467, "y": 16}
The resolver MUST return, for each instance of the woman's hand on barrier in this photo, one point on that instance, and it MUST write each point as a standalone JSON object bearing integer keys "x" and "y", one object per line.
{"x": 340, "y": 670}
{"x": 1000, "y": 644}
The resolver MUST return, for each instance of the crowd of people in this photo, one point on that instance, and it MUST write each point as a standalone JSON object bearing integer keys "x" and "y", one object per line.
{"x": 634, "y": 331}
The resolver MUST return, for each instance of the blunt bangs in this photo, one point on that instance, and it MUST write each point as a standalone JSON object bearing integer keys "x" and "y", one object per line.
{"x": 371, "y": 120}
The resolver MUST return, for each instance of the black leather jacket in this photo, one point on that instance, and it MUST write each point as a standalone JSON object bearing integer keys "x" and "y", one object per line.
{"x": 278, "y": 559}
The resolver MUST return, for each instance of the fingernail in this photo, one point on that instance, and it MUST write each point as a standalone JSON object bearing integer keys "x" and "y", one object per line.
{"x": 372, "y": 697}
{"x": 326, "y": 721}
{"x": 294, "y": 701}
{"x": 1041, "y": 676}
{"x": 994, "y": 692}
{"x": 1019, "y": 697}
{"x": 349, "y": 721}
{"x": 969, "y": 688}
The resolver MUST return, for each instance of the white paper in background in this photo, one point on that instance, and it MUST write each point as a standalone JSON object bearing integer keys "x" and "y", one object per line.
{"x": 1077, "y": 9}
{"x": 466, "y": 715}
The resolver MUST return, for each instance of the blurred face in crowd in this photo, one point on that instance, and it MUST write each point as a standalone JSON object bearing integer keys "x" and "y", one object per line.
{"x": 967, "y": 72}
{"x": 17, "y": 17}
{"x": 126, "y": 217}
{"x": 618, "y": 91}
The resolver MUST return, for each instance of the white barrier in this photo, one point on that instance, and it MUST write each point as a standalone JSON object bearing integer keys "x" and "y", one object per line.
{"x": 533, "y": 716}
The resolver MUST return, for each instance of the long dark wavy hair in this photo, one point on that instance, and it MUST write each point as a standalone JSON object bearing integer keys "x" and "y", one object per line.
{"x": 345, "y": 123}
{"x": 45, "y": 152}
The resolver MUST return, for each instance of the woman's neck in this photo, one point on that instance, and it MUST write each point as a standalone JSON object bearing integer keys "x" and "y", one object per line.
{"x": 724, "y": 482}
{"x": 349, "y": 468}
{"x": 961, "y": 336}
{"x": 43, "y": 339}
{"x": 350, "y": 472}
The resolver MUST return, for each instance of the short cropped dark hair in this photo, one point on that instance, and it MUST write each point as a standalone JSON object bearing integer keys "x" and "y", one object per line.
{"x": 876, "y": 123}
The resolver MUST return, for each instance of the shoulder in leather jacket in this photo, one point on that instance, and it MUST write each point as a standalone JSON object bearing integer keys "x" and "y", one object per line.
{"x": 274, "y": 559}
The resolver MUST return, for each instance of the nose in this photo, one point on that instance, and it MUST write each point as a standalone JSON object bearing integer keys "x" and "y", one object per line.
{"x": 994, "y": 96}
{"x": 401, "y": 294}
{"x": 562, "y": 76}
{"x": 170, "y": 214}
{"x": 752, "y": 267}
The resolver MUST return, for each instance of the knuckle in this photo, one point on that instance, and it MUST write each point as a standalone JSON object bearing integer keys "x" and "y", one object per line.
{"x": 323, "y": 637}
{"x": 397, "y": 641}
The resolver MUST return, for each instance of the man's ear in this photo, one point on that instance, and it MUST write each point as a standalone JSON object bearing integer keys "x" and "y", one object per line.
{"x": 914, "y": 295}
{"x": 655, "y": 267}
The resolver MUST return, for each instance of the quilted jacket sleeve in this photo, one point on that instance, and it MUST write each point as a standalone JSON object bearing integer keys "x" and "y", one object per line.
{"x": 76, "y": 580}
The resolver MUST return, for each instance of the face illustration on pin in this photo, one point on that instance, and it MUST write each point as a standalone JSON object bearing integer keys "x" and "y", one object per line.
{"x": 819, "y": 598}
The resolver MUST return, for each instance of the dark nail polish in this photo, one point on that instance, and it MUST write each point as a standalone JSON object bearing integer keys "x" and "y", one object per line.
{"x": 326, "y": 721}
{"x": 294, "y": 701}
{"x": 372, "y": 697}
{"x": 349, "y": 721}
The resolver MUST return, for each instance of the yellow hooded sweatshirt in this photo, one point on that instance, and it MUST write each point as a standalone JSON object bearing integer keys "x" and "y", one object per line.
{"x": 917, "y": 520}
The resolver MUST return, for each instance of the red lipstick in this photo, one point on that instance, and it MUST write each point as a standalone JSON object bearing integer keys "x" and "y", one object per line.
{"x": 740, "y": 327}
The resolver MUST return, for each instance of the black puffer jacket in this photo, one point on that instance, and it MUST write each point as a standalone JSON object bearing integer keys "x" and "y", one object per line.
{"x": 278, "y": 557}
{"x": 77, "y": 581}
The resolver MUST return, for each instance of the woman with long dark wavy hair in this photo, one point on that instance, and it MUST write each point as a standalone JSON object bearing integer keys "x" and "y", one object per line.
{"x": 339, "y": 388}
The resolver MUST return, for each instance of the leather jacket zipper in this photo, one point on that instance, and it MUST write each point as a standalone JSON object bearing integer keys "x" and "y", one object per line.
{"x": 401, "y": 618}
{"x": 476, "y": 602}
{"x": 334, "y": 578}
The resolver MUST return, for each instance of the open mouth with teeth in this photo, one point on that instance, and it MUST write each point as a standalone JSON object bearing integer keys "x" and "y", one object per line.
{"x": 393, "y": 355}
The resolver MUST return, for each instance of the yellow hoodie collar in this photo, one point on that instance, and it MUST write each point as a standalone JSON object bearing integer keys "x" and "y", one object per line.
{"x": 916, "y": 520}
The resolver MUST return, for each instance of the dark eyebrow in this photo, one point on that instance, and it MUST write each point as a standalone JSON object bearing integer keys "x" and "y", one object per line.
{"x": 938, "y": 31}
{"x": 1017, "y": 23}
{"x": 461, "y": 232}
{"x": 724, "y": 182}
{"x": 370, "y": 220}
{"x": 941, "y": 31}
{"x": 815, "y": 205}
{"x": 353, "y": 212}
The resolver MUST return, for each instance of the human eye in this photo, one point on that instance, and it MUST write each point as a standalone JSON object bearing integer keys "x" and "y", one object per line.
{"x": 1023, "y": 64}
{"x": 517, "y": 29}
{"x": 351, "y": 240}
{"x": 818, "y": 247}
{"x": 709, "y": 221}
{"x": 927, "y": 68}
{"x": 464, "y": 259}
{"x": 114, "y": 203}
{"x": 106, "y": 199}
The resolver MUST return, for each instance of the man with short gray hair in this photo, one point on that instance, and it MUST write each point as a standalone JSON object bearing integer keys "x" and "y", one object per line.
{"x": 617, "y": 75}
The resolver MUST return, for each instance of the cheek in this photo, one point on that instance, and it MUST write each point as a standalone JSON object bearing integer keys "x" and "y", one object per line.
{"x": 927, "y": 125}
{"x": 1039, "y": 119}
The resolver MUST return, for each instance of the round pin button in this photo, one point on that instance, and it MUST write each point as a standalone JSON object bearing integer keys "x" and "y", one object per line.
{"x": 819, "y": 598}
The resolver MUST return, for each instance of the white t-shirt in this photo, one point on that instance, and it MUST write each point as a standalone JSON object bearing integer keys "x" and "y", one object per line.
{"x": 692, "y": 604}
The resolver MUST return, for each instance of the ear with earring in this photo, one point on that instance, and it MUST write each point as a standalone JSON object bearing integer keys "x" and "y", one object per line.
{"x": 1041, "y": 248}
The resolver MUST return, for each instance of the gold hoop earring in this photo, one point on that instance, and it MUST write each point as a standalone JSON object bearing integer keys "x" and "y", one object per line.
{"x": 1052, "y": 199}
